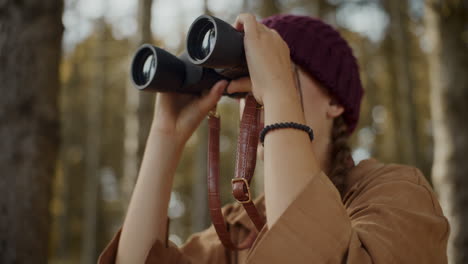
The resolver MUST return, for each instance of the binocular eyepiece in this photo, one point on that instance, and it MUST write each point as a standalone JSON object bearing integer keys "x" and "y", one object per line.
{"x": 215, "y": 51}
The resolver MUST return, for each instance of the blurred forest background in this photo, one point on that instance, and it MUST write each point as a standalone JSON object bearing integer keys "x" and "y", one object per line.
{"x": 73, "y": 129}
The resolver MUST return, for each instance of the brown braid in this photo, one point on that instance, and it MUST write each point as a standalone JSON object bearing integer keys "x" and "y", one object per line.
{"x": 341, "y": 160}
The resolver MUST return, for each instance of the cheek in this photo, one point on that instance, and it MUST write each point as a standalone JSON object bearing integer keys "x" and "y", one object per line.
{"x": 315, "y": 110}
{"x": 315, "y": 105}
{"x": 314, "y": 100}
{"x": 313, "y": 114}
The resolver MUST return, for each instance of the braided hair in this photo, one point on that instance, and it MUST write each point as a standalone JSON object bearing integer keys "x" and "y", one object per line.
{"x": 341, "y": 159}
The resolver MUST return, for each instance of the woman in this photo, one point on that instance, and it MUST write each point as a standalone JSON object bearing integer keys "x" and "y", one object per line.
{"x": 302, "y": 71}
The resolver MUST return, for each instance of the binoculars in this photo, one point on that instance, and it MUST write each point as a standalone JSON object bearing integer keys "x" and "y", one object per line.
{"x": 215, "y": 51}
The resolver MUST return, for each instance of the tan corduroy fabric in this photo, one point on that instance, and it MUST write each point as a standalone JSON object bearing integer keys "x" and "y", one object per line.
{"x": 389, "y": 214}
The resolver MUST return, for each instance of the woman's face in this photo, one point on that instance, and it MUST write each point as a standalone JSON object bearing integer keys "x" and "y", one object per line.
{"x": 319, "y": 108}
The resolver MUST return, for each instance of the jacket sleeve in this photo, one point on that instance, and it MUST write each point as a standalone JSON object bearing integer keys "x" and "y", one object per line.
{"x": 200, "y": 248}
{"x": 394, "y": 218}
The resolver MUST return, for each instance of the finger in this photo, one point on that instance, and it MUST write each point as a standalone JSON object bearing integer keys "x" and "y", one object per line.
{"x": 172, "y": 101}
{"x": 208, "y": 101}
{"x": 200, "y": 107}
{"x": 276, "y": 34}
{"x": 263, "y": 28}
{"x": 240, "y": 85}
{"x": 246, "y": 22}
{"x": 273, "y": 30}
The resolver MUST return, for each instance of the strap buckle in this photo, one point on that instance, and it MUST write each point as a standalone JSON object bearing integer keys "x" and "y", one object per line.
{"x": 248, "y": 189}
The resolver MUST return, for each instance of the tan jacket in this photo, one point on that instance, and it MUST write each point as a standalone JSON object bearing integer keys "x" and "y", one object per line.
{"x": 389, "y": 214}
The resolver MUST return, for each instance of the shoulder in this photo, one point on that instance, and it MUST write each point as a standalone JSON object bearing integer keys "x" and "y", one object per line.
{"x": 396, "y": 183}
{"x": 372, "y": 170}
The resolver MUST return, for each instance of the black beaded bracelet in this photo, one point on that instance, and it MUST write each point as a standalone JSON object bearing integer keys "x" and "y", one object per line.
{"x": 286, "y": 125}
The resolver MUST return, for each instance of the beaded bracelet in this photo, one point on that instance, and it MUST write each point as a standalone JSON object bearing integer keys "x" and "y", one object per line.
{"x": 286, "y": 125}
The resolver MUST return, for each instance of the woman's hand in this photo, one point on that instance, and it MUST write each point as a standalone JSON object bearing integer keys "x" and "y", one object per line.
{"x": 178, "y": 115}
{"x": 268, "y": 60}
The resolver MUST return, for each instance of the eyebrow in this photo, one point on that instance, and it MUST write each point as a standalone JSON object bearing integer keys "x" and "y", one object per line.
{"x": 298, "y": 86}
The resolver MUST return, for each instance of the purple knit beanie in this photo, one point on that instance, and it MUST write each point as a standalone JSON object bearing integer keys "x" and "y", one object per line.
{"x": 320, "y": 50}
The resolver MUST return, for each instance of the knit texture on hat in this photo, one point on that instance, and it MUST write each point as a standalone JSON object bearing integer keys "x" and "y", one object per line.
{"x": 320, "y": 50}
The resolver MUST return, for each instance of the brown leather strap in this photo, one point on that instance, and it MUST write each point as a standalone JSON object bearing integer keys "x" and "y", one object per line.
{"x": 246, "y": 160}
{"x": 245, "y": 166}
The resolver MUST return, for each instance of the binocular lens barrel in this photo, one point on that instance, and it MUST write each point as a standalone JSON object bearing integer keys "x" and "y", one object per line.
{"x": 144, "y": 66}
{"x": 203, "y": 41}
{"x": 156, "y": 69}
{"x": 213, "y": 43}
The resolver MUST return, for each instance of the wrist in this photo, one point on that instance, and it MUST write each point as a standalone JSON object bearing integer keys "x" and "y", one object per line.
{"x": 280, "y": 90}
{"x": 167, "y": 137}
{"x": 283, "y": 106}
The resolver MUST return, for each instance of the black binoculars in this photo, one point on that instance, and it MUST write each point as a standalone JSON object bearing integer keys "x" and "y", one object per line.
{"x": 215, "y": 51}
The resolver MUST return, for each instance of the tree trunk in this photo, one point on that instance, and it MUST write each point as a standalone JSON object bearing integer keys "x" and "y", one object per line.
{"x": 448, "y": 64}
{"x": 140, "y": 108}
{"x": 94, "y": 151}
{"x": 401, "y": 71}
{"x": 30, "y": 49}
